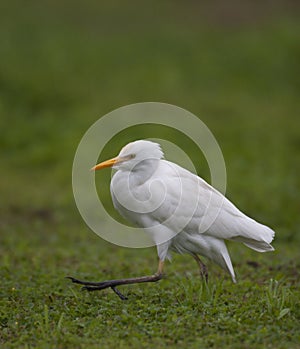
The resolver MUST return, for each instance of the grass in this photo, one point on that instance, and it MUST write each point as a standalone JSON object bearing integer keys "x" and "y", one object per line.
{"x": 63, "y": 65}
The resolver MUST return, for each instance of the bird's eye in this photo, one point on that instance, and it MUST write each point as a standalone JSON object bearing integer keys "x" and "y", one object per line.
{"x": 128, "y": 157}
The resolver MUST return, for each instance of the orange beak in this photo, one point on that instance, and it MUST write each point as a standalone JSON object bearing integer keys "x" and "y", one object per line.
{"x": 107, "y": 163}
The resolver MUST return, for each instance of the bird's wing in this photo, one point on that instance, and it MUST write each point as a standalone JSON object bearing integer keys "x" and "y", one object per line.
{"x": 175, "y": 199}
{"x": 218, "y": 217}
{"x": 232, "y": 224}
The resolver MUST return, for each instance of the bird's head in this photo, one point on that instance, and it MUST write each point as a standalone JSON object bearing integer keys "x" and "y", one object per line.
{"x": 132, "y": 155}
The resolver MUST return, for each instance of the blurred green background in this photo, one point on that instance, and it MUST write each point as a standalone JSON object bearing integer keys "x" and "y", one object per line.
{"x": 64, "y": 64}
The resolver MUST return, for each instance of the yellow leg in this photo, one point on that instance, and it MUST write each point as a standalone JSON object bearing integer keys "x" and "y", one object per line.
{"x": 160, "y": 267}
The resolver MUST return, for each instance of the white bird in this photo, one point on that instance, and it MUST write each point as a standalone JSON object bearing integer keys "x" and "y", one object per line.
{"x": 179, "y": 210}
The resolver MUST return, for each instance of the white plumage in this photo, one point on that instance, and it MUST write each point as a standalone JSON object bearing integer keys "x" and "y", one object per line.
{"x": 178, "y": 209}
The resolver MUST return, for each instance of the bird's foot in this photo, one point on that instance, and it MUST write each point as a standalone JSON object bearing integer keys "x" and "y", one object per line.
{"x": 96, "y": 286}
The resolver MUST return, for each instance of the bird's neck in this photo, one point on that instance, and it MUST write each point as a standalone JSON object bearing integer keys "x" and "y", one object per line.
{"x": 144, "y": 170}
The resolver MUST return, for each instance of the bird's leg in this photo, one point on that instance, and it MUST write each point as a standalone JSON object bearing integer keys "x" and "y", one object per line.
{"x": 95, "y": 286}
{"x": 202, "y": 267}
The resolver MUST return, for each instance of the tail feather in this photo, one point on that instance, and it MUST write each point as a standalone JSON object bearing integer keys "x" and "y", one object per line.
{"x": 259, "y": 246}
{"x": 232, "y": 224}
{"x": 220, "y": 255}
{"x": 257, "y": 236}
{"x": 229, "y": 267}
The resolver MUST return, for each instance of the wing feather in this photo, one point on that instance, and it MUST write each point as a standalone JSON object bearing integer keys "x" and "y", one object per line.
{"x": 185, "y": 202}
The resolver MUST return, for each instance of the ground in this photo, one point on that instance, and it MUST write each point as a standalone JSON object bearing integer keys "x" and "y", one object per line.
{"x": 65, "y": 64}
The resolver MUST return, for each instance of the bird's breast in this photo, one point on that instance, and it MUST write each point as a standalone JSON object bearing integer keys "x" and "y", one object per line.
{"x": 138, "y": 198}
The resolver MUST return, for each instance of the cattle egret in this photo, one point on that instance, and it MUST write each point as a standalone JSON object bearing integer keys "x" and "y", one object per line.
{"x": 180, "y": 211}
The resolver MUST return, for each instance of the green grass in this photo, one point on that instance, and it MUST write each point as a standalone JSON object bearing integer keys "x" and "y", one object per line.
{"x": 63, "y": 65}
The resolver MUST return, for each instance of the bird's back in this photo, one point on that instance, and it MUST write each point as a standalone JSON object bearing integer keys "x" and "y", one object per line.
{"x": 174, "y": 199}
